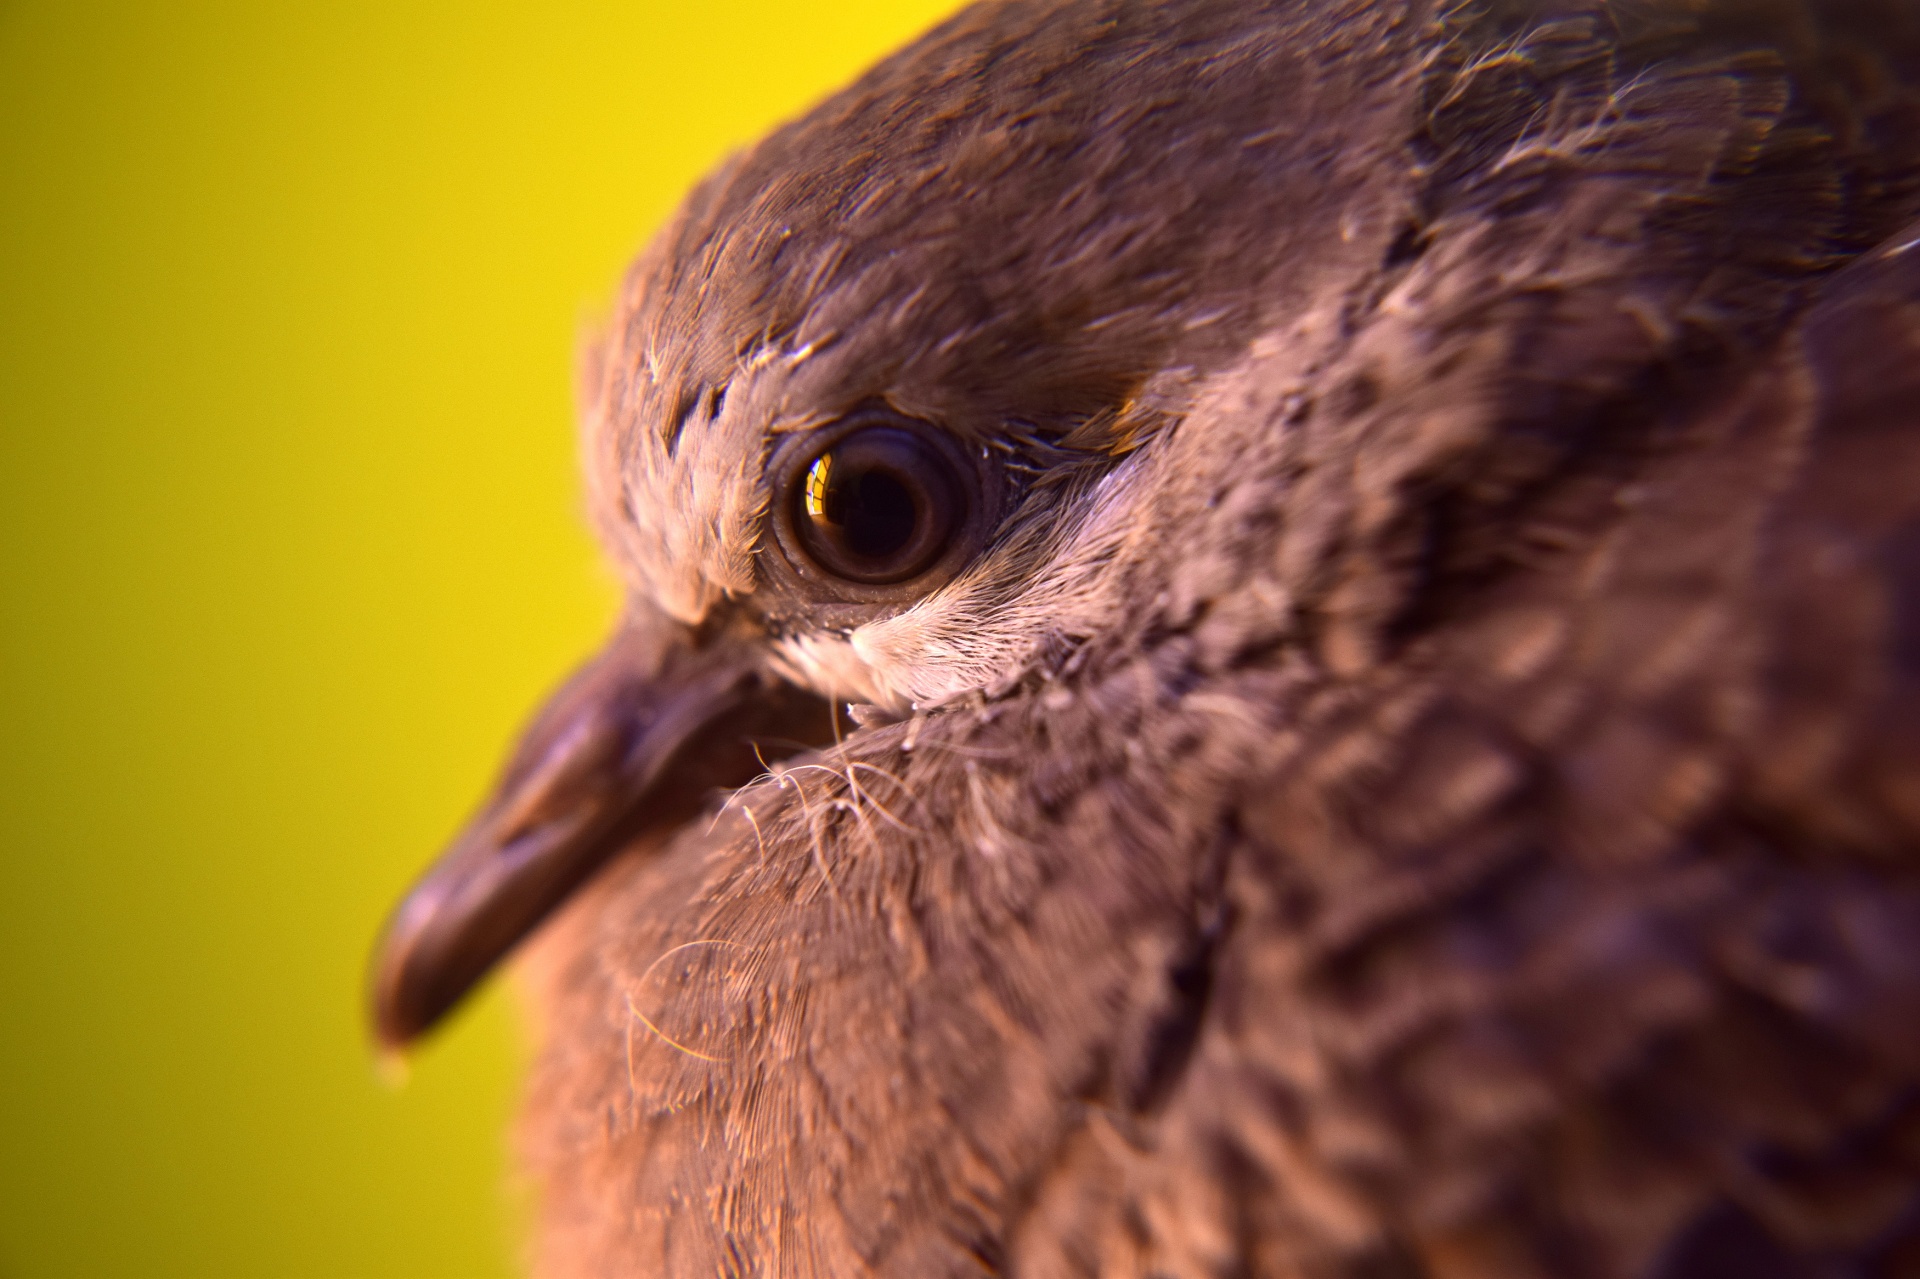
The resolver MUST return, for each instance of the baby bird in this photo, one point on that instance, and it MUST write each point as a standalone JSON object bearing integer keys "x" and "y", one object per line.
{"x": 1263, "y": 639}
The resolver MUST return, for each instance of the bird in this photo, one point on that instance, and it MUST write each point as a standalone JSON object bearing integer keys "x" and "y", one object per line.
{"x": 1260, "y": 638}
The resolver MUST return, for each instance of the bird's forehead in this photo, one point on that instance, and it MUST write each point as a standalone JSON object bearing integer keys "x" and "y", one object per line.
{"x": 1032, "y": 217}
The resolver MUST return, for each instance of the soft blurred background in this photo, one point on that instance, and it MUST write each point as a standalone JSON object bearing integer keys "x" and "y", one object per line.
{"x": 289, "y": 542}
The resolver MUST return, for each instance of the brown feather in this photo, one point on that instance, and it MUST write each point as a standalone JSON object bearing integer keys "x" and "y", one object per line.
{"x": 1477, "y": 834}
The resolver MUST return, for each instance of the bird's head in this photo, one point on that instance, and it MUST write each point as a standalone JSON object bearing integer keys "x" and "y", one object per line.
{"x": 1282, "y": 489}
{"x": 1057, "y": 331}
{"x": 901, "y": 410}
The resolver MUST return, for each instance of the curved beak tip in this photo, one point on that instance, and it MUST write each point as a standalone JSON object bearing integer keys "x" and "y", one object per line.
{"x": 630, "y": 747}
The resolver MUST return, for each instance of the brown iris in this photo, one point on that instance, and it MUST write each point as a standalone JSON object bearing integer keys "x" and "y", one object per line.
{"x": 878, "y": 506}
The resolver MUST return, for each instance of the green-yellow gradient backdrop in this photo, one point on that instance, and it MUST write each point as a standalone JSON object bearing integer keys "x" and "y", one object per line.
{"x": 289, "y": 542}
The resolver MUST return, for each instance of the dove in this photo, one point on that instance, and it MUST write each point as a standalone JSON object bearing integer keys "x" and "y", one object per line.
{"x": 1260, "y": 639}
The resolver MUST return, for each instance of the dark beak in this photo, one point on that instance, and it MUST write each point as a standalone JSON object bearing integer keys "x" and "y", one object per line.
{"x": 630, "y": 748}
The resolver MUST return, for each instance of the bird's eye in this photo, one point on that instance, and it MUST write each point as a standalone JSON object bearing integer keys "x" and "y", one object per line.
{"x": 879, "y": 504}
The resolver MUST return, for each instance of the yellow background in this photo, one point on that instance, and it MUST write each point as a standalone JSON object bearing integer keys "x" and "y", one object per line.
{"x": 289, "y": 543}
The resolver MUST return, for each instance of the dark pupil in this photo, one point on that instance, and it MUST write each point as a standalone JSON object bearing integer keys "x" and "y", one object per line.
{"x": 875, "y": 511}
